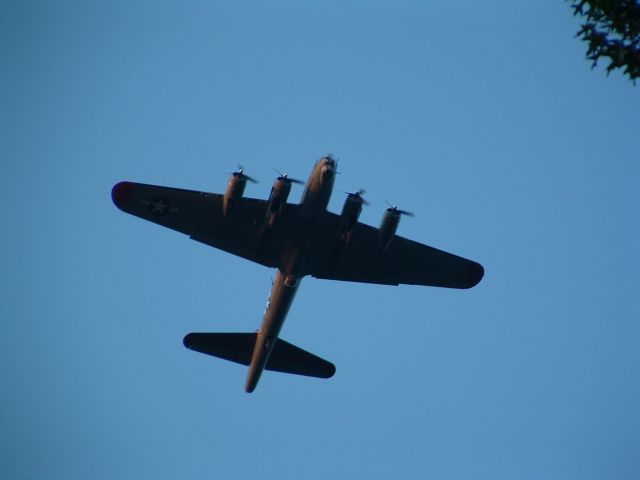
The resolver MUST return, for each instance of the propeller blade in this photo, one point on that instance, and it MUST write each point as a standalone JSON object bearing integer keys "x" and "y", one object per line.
{"x": 359, "y": 194}
{"x": 394, "y": 208}
{"x": 283, "y": 177}
{"x": 240, "y": 173}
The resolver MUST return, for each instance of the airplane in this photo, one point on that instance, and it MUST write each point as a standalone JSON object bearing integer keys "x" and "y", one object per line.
{"x": 297, "y": 240}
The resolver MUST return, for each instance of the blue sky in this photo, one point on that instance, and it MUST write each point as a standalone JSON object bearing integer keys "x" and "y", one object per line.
{"x": 484, "y": 118}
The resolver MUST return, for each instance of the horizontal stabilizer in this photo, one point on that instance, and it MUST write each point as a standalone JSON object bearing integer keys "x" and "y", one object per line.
{"x": 238, "y": 347}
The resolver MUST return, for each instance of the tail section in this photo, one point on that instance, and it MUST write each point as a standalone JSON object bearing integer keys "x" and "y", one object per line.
{"x": 238, "y": 348}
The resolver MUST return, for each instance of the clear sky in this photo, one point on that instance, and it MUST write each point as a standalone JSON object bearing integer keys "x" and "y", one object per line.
{"x": 483, "y": 118}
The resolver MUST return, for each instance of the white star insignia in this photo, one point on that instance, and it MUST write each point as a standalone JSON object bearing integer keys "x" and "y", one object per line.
{"x": 159, "y": 206}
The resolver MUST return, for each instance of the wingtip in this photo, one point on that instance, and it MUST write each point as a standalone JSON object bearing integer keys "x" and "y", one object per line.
{"x": 121, "y": 194}
{"x": 474, "y": 274}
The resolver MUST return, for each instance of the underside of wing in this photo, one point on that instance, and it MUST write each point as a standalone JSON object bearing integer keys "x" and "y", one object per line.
{"x": 199, "y": 215}
{"x": 403, "y": 262}
{"x": 173, "y": 208}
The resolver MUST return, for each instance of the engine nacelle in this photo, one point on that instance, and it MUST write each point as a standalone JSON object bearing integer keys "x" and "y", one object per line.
{"x": 277, "y": 199}
{"x": 350, "y": 213}
{"x": 388, "y": 227}
{"x": 234, "y": 192}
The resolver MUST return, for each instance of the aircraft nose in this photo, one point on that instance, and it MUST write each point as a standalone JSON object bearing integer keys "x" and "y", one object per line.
{"x": 329, "y": 166}
{"x": 327, "y": 172}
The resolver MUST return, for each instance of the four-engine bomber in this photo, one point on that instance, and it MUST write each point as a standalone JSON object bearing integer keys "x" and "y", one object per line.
{"x": 298, "y": 240}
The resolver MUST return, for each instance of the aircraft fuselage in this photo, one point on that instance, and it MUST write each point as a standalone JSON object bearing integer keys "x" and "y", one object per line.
{"x": 315, "y": 199}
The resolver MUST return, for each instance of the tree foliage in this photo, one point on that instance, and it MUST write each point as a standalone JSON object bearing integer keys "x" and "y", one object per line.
{"x": 611, "y": 29}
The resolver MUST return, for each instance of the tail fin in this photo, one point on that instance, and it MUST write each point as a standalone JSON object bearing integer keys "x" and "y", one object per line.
{"x": 238, "y": 347}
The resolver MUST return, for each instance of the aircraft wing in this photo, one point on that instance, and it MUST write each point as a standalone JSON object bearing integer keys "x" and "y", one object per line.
{"x": 404, "y": 261}
{"x": 199, "y": 215}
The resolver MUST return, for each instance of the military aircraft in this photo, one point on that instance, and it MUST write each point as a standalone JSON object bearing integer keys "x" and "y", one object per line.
{"x": 297, "y": 240}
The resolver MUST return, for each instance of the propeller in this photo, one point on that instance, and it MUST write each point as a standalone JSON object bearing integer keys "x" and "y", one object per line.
{"x": 358, "y": 194}
{"x": 395, "y": 209}
{"x": 240, "y": 173}
{"x": 285, "y": 178}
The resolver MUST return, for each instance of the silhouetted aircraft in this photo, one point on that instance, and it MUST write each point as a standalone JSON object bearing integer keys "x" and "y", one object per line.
{"x": 298, "y": 240}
